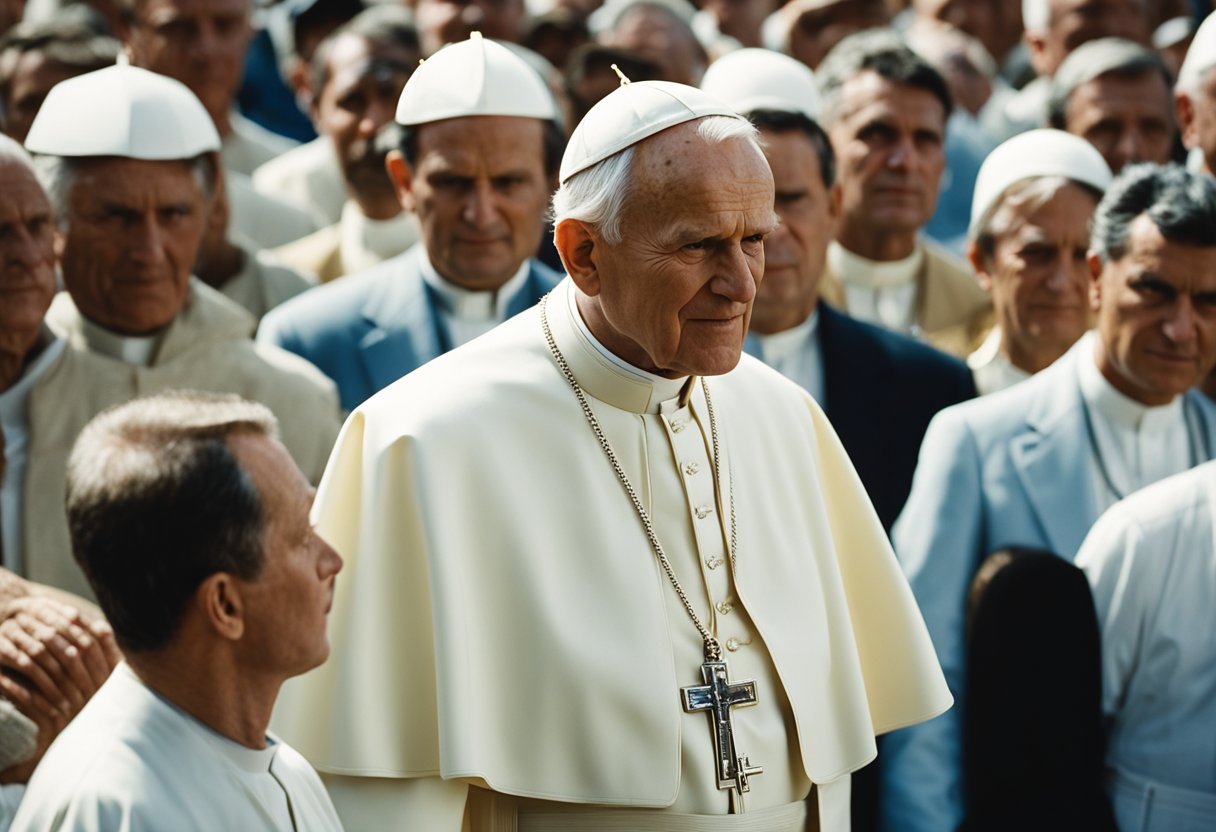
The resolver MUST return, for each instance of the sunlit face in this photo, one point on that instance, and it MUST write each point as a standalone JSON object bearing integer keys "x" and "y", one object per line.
{"x": 794, "y": 253}
{"x": 201, "y": 43}
{"x": 1037, "y": 273}
{"x": 1126, "y": 119}
{"x": 1156, "y": 310}
{"x": 451, "y": 21}
{"x": 27, "y": 258}
{"x": 890, "y": 148}
{"x": 32, "y": 78}
{"x": 480, "y": 192}
{"x": 287, "y": 605}
{"x": 1197, "y": 116}
{"x": 675, "y": 295}
{"x": 1074, "y": 22}
{"x": 131, "y": 234}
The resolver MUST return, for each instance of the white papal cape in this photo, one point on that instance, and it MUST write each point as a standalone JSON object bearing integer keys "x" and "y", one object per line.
{"x": 502, "y": 617}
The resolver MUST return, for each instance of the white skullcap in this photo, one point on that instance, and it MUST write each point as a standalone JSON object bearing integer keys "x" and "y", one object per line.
{"x": 1200, "y": 57}
{"x": 760, "y": 79}
{"x": 122, "y": 111}
{"x": 631, "y": 113}
{"x": 476, "y": 77}
{"x": 1033, "y": 155}
{"x": 1036, "y": 15}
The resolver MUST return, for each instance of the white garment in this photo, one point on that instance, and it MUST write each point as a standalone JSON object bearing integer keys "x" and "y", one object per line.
{"x": 267, "y": 221}
{"x": 364, "y": 242}
{"x": 10, "y": 801}
{"x": 136, "y": 350}
{"x": 1151, "y": 562}
{"x": 250, "y": 145}
{"x": 466, "y": 314}
{"x": 14, "y": 416}
{"x": 991, "y": 368}
{"x": 882, "y": 293}
{"x": 263, "y": 282}
{"x": 1137, "y": 445}
{"x": 795, "y": 353}
{"x": 132, "y": 760}
{"x": 308, "y": 176}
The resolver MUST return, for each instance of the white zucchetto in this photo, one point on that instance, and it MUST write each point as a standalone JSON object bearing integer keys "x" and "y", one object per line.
{"x": 1031, "y": 155}
{"x": 476, "y": 77}
{"x": 760, "y": 79}
{"x": 631, "y": 113}
{"x": 1200, "y": 56}
{"x": 123, "y": 111}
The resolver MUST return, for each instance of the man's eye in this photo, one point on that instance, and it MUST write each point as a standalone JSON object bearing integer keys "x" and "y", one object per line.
{"x": 699, "y": 245}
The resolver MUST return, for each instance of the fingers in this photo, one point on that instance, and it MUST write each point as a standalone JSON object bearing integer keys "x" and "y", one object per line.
{"x": 76, "y": 655}
{"x": 34, "y": 658}
{"x": 33, "y": 704}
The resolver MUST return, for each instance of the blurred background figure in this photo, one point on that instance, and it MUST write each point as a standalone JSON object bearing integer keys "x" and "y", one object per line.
{"x": 589, "y": 75}
{"x": 808, "y": 29}
{"x": 1195, "y": 98}
{"x": 659, "y": 31}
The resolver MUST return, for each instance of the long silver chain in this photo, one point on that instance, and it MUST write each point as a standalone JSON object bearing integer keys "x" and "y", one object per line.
{"x": 713, "y": 650}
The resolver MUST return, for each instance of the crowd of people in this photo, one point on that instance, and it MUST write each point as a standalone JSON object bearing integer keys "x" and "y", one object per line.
{"x": 470, "y": 415}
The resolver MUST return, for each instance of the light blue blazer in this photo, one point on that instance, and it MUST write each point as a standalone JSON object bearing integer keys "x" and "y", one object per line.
{"x": 367, "y": 330}
{"x": 1011, "y": 469}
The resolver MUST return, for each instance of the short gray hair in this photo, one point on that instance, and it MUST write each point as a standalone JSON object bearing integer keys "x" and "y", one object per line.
{"x": 1180, "y": 203}
{"x": 595, "y": 196}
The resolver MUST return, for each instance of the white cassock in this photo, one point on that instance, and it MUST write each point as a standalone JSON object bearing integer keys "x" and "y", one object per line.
{"x": 1151, "y": 561}
{"x": 502, "y": 622}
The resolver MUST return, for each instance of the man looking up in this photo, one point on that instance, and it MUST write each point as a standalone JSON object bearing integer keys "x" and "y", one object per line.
{"x": 885, "y": 109}
{"x": 191, "y": 522}
{"x": 475, "y": 168}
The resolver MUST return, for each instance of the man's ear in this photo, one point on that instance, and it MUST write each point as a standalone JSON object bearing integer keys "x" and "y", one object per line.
{"x": 402, "y": 178}
{"x": 577, "y": 244}
{"x": 1095, "y": 280}
{"x": 1186, "y": 118}
{"x": 976, "y": 259}
{"x": 220, "y": 603}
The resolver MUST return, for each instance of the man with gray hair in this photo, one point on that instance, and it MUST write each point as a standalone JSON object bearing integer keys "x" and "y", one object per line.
{"x": 1035, "y": 465}
{"x": 650, "y": 548}
{"x": 1115, "y": 94}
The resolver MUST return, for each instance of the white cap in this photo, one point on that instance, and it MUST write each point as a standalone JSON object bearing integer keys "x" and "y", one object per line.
{"x": 476, "y": 77}
{"x": 1200, "y": 56}
{"x": 1033, "y": 155}
{"x": 122, "y": 111}
{"x": 1036, "y": 15}
{"x": 760, "y": 79}
{"x": 633, "y": 112}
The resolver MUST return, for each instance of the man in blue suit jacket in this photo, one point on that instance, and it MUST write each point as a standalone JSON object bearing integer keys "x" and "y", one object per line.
{"x": 476, "y": 162}
{"x": 1036, "y": 464}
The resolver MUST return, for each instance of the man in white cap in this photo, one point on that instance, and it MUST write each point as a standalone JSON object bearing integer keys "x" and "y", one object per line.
{"x": 1195, "y": 97}
{"x": 127, "y": 158}
{"x": 567, "y": 550}
{"x": 885, "y": 109}
{"x": 479, "y": 148}
{"x": 1029, "y": 237}
{"x": 1035, "y": 465}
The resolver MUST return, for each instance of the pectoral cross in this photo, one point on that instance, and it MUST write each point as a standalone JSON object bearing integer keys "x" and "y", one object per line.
{"x": 716, "y": 697}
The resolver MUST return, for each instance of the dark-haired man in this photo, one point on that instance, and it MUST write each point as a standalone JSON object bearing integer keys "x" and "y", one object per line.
{"x": 191, "y": 522}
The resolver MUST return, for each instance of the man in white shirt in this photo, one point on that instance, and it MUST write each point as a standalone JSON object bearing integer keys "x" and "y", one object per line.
{"x": 191, "y": 521}
{"x": 1035, "y": 465}
{"x": 1151, "y": 562}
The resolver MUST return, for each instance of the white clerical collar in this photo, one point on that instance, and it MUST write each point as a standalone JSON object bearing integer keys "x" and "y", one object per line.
{"x": 465, "y": 305}
{"x": 137, "y": 350}
{"x": 874, "y": 274}
{"x": 780, "y": 345}
{"x": 1119, "y": 409}
{"x": 991, "y": 368}
{"x": 364, "y": 242}
{"x": 14, "y": 413}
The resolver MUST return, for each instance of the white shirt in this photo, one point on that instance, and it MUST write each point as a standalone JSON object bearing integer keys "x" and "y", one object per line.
{"x": 795, "y": 353}
{"x": 132, "y": 760}
{"x": 1135, "y": 444}
{"x": 364, "y": 242}
{"x": 14, "y": 416}
{"x": 136, "y": 350}
{"x": 991, "y": 368}
{"x": 466, "y": 314}
{"x": 880, "y": 292}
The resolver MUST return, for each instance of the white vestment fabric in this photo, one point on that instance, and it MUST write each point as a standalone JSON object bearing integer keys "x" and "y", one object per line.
{"x": 881, "y": 293}
{"x": 1151, "y": 562}
{"x": 263, "y": 282}
{"x": 795, "y": 353}
{"x": 992, "y": 369}
{"x": 503, "y": 620}
{"x": 133, "y": 761}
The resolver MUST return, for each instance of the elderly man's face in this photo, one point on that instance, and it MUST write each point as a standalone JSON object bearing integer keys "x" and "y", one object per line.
{"x": 201, "y": 43}
{"x": 27, "y": 257}
{"x": 1126, "y": 119}
{"x": 480, "y": 191}
{"x": 1197, "y": 117}
{"x": 129, "y": 241}
{"x": 288, "y": 603}
{"x": 1074, "y": 22}
{"x": 1156, "y": 310}
{"x": 794, "y": 253}
{"x": 675, "y": 295}
{"x": 33, "y": 76}
{"x": 1037, "y": 273}
{"x": 890, "y": 143}
{"x": 451, "y": 21}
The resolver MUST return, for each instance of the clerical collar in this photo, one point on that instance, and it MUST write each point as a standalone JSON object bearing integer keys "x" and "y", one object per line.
{"x": 780, "y": 345}
{"x": 991, "y": 368}
{"x": 1119, "y": 409}
{"x": 601, "y": 373}
{"x": 364, "y": 242}
{"x": 465, "y": 305}
{"x": 859, "y": 271}
{"x": 137, "y": 350}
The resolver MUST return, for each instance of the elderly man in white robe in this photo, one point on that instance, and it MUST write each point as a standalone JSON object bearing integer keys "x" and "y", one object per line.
{"x": 703, "y": 628}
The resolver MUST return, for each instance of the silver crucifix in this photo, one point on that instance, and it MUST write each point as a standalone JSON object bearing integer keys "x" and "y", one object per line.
{"x": 716, "y": 697}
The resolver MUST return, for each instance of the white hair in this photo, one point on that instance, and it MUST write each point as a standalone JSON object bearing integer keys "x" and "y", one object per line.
{"x": 595, "y": 196}
{"x": 11, "y": 151}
